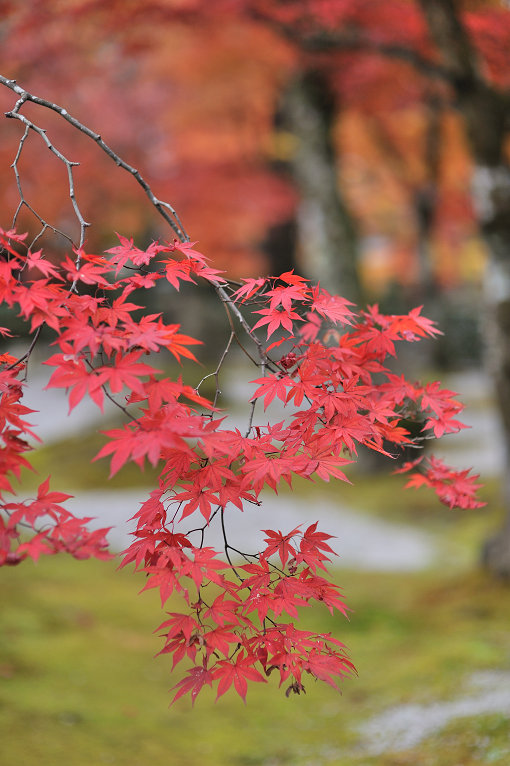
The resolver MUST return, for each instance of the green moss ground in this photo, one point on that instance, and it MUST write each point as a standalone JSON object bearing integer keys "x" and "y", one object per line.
{"x": 79, "y": 683}
{"x": 69, "y": 462}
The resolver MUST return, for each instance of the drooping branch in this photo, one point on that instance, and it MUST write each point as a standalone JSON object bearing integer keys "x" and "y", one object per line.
{"x": 163, "y": 208}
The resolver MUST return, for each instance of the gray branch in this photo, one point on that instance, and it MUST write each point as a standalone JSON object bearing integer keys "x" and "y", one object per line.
{"x": 164, "y": 209}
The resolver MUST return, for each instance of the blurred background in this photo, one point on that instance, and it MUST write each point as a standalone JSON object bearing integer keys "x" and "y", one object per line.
{"x": 364, "y": 145}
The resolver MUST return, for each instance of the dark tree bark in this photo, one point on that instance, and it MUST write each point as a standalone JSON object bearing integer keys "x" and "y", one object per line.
{"x": 425, "y": 197}
{"x": 327, "y": 239}
{"x": 280, "y": 247}
{"x": 486, "y": 115}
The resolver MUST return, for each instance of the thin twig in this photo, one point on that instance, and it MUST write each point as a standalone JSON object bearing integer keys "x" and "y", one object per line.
{"x": 27, "y": 353}
{"x": 69, "y": 164}
{"x": 227, "y": 546}
{"x": 216, "y": 372}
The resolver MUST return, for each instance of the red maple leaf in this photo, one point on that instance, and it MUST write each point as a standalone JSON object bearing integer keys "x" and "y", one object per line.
{"x": 194, "y": 683}
{"x": 276, "y": 318}
{"x": 237, "y": 672}
{"x": 279, "y": 543}
{"x": 73, "y": 374}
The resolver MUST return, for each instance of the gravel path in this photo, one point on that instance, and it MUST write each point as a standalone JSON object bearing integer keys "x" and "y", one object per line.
{"x": 361, "y": 541}
{"x": 51, "y": 420}
{"x": 480, "y": 446}
{"x": 405, "y": 726}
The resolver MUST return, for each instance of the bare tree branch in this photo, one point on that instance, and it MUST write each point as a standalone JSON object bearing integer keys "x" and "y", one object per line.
{"x": 162, "y": 207}
{"x": 29, "y": 125}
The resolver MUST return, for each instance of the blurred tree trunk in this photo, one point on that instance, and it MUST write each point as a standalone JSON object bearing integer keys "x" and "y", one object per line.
{"x": 280, "y": 247}
{"x": 327, "y": 239}
{"x": 422, "y": 193}
{"x": 486, "y": 114}
{"x": 425, "y": 198}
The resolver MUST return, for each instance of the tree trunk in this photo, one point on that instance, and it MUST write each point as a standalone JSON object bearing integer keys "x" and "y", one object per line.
{"x": 326, "y": 235}
{"x": 426, "y": 198}
{"x": 491, "y": 190}
{"x": 486, "y": 113}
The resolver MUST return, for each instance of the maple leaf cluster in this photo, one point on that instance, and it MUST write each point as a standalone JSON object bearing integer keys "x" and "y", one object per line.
{"x": 323, "y": 360}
